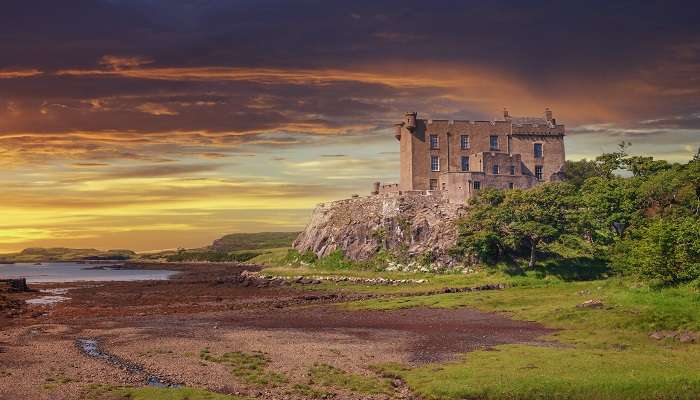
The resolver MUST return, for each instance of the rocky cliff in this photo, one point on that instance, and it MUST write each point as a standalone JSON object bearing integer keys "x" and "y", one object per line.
{"x": 410, "y": 223}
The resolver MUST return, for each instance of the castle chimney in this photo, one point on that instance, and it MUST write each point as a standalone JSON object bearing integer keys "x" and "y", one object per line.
{"x": 411, "y": 120}
{"x": 506, "y": 115}
{"x": 548, "y": 114}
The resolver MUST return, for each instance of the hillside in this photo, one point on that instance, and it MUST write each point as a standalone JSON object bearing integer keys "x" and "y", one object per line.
{"x": 56, "y": 254}
{"x": 253, "y": 241}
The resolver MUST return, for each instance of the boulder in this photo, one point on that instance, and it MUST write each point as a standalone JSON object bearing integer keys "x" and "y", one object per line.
{"x": 593, "y": 303}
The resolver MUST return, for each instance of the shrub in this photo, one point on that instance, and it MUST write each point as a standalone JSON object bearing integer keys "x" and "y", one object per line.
{"x": 667, "y": 251}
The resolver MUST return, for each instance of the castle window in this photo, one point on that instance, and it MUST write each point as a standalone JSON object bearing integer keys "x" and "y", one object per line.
{"x": 464, "y": 142}
{"x": 538, "y": 172}
{"x": 465, "y": 163}
{"x": 493, "y": 141}
{"x": 510, "y": 185}
{"x": 538, "y": 150}
{"x": 434, "y": 143}
{"x": 512, "y": 169}
{"x": 476, "y": 185}
{"x": 433, "y": 184}
{"x": 496, "y": 170}
{"x": 434, "y": 163}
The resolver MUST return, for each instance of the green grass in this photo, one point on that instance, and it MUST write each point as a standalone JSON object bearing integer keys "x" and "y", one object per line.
{"x": 53, "y": 382}
{"x": 332, "y": 377}
{"x": 270, "y": 256}
{"x": 251, "y": 368}
{"x": 599, "y": 353}
{"x": 99, "y": 392}
{"x": 529, "y": 372}
{"x": 309, "y": 392}
{"x": 254, "y": 241}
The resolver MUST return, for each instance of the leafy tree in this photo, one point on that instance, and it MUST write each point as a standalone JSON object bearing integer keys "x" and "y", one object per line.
{"x": 608, "y": 163}
{"x": 516, "y": 220}
{"x": 535, "y": 216}
{"x": 644, "y": 166}
{"x": 667, "y": 250}
{"x": 576, "y": 172}
{"x": 608, "y": 207}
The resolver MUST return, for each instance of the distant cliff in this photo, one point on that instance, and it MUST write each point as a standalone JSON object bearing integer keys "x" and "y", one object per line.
{"x": 400, "y": 223}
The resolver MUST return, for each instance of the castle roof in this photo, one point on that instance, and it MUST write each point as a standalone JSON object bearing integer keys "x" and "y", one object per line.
{"x": 529, "y": 121}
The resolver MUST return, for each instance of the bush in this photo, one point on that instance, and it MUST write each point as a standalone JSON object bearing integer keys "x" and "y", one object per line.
{"x": 666, "y": 251}
{"x": 335, "y": 260}
{"x": 294, "y": 257}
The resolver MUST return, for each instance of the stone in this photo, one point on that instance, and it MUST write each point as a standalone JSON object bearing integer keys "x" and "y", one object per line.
{"x": 686, "y": 337}
{"x": 657, "y": 335}
{"x": 591, "y": 304}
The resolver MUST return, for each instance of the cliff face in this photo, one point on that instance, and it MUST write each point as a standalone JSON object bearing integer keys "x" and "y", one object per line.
{"x": 360, "y": 226}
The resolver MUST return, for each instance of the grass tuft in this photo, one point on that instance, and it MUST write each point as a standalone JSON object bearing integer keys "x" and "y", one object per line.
{"x": 251, "y": 368}
{"x": 332, "y": 377}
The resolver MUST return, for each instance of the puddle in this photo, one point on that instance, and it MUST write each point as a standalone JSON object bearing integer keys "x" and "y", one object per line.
{"x": 91, "y": 348}
{"x": 54, "y": 296}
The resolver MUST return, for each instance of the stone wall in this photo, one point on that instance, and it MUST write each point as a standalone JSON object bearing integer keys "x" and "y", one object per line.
{"x": 361, "y": 226}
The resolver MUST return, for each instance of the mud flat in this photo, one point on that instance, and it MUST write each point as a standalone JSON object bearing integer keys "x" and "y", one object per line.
{"x": 202, "y": 327}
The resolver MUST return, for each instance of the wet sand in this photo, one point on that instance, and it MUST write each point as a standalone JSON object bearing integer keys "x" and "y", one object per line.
{"x": 162, "y": 326}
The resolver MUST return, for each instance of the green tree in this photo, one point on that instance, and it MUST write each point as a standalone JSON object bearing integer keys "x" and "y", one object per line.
{"x": 539, "y": 215}
{"x": 644, "y": 166}
{"x": 576, "y": 172}
{"x": 666, "y": 250}
{"x": 608, "y": 163}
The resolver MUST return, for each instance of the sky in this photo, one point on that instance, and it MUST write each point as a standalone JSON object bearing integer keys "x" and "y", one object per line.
{"x": 148, "y": 124}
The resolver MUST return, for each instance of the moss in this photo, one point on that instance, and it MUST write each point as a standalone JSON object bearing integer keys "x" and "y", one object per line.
{"x": 332, "y": 377}
{"x": 251, "y": 368}
{"x": 104, "y": 392}
{"x": 309, "y": 392}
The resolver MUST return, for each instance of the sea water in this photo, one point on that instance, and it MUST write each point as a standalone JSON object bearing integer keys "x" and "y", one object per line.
{"x": 79, "y": 272}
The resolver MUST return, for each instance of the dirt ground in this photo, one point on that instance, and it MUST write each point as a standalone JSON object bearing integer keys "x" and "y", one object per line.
{"x": 162, "y": 326}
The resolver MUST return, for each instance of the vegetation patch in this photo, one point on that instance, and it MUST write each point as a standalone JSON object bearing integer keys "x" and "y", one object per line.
{"x": 600, "y": 353}
{"x": 53, "y": 382}
{"x": 103, "y": 392}
{"x": 211, "y": 256}
{"x": 251, "y": 368}
{"x": 332, "y": 377}
{"x": 253, "y": 241}
{"x": 310, "y": 392}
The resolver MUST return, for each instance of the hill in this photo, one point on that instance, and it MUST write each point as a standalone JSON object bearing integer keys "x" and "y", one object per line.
{"x": 57, "y": 254}
{"x": 253, "y": 241}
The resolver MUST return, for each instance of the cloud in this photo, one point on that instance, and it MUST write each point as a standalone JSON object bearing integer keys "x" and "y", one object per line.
{"x": 18, "y": 73}
{"x": 155, "y": 109}
{"x": 120, "y": 63}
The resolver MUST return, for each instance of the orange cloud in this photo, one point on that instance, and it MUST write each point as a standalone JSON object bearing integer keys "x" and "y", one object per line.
{"x": 19, "y": 73}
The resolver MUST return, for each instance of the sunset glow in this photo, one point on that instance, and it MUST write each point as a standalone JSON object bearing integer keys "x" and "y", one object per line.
{"x": 154, "y": 125}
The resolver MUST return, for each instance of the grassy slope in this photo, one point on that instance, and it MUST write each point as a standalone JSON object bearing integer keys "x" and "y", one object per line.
{"x": 254, "y": 241}
{"x": 600, "y": 354}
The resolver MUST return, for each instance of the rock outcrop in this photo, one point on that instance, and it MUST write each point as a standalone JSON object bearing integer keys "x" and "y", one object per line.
{"x": 411, "y": 223}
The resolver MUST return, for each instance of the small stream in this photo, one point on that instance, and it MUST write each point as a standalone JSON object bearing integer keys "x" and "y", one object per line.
{"x": 91, "y": 348}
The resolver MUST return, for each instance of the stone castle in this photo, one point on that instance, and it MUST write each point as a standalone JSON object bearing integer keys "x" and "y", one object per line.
{"x": 458, "y": 158}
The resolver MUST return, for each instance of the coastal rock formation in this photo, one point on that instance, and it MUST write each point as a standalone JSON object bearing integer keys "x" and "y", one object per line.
{"x": 412, "y": 223}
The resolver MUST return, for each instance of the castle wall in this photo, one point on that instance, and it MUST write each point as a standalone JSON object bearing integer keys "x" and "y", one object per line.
{"x": 553, "y": 155}
{"x": 516, "y": 140}
{"x": 416, "y": 152}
